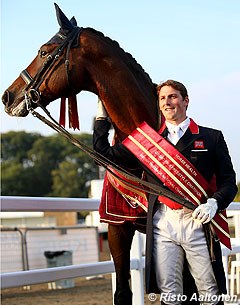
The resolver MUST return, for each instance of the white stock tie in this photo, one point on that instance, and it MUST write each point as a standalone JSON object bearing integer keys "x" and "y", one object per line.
{"x": 175, "y": 134}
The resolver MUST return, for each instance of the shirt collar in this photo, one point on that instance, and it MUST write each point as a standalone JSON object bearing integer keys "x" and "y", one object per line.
{"x": 183, "y": 125}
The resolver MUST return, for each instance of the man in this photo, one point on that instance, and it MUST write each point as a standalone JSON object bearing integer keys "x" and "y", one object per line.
{"x": 176, "y": 235}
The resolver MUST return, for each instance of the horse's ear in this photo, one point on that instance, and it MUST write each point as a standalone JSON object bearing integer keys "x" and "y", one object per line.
{"x": 63, "y": 21}
{"x": 73, "y": 21}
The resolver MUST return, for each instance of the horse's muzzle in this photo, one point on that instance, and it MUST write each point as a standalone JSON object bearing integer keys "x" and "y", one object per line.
{"x": 5, "y": 98}
{"x": 14, "y": 107}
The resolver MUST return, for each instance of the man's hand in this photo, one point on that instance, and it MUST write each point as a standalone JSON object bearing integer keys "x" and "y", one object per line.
{"x": 101, "y": 111}
{"x": 205, "y": 212}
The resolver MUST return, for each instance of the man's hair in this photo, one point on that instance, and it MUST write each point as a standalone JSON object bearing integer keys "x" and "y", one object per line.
{"x": 176, "y": 85}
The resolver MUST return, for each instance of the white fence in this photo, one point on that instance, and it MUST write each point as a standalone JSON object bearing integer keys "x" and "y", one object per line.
{"x": 81, "y": 241}
{"x": 12, "y": 250}
{"x": 24, "y": 249}
{"x": 36, "y": 276}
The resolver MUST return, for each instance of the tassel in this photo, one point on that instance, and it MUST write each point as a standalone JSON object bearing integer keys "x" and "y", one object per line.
{"x": 73, "y": 112}
{"x": 62, "y": 118}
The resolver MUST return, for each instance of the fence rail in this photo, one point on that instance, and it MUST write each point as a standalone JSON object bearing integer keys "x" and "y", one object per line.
{"x": 30, "y": 277}
{"x": 47, "y": 204}
{"x": 39, "y": 204}
{"x": 38, "y": 276}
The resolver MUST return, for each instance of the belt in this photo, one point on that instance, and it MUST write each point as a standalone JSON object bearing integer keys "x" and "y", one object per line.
{"x": 163, "y": 207}
{"x": 170, "y": 203}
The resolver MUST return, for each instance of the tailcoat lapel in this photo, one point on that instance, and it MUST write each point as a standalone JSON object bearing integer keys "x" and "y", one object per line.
{"x": 187, "y": 140}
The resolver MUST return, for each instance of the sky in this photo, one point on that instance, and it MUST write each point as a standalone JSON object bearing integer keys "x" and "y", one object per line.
{"x": 193, "y": 41}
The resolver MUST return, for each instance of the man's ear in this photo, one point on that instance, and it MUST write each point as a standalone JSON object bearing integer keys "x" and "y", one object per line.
{"x": 186, "y": 101}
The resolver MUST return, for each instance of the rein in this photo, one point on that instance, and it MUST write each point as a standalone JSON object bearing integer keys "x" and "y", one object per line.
{"x": 108, "y": 164}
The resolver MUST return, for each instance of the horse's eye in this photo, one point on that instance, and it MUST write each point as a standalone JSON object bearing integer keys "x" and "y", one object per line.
{"x": 43, "y": 53}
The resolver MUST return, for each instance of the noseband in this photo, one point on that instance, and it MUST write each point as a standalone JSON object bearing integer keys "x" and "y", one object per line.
{"x": 31, "y": 91}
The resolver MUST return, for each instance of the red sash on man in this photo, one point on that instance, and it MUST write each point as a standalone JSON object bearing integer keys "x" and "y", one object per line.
{"x": 175, "y": 171}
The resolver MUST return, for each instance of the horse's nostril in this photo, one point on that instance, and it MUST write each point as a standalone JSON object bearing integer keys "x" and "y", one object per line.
{"x": 5, "y": 97}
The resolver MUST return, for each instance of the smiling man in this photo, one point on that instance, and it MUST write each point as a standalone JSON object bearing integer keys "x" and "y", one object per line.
{"x": 192, "y": 161}
{"x": 176, "y": 234}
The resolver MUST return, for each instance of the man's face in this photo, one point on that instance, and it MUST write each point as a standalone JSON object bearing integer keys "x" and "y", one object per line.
{"x": 172, "y": 105}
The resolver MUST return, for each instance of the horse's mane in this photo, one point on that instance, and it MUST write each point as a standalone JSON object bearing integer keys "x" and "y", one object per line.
{"x": 131, "y": 60}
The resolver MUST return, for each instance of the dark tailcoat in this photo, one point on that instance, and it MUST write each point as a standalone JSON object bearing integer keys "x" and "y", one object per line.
{"x": 211, "y": 159}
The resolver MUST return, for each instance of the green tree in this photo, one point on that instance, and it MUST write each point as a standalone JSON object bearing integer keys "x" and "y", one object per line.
{"x": 66, "y": 182}
{"x": 43, "y": 166}
{"x": 45, "y": 155}
{"x": 71, "y": 177}
{"x": 17, "y": 173}
{"x": 15, "y": 146}
{"x": 16, "y": 180}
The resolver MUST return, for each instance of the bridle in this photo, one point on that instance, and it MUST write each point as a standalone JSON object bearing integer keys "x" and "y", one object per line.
{"x": 31, "y": 91}
{"x": 33, "y": 96}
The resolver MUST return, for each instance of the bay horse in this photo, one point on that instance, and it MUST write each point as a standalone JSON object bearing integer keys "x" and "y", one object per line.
{"x": 77, "y": 59}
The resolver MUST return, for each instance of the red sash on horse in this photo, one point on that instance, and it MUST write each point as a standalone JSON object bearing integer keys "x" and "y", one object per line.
{"x": 175, "y": 171}
{"x": 118, "y": 206}
{"x": 121, "y": 202}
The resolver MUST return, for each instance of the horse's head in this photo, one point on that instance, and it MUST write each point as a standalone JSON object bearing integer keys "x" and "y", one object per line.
{"x": 78, "y": 59}
{"x": 47, "y": 77}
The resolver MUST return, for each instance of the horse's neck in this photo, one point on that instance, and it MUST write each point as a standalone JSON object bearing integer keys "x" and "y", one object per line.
{"x": 127, "y": 94}
{"x": 126, "y": 105}
{"x": 128, "y": 101}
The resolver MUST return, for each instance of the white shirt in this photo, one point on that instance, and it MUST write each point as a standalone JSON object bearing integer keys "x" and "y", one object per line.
{"x": 177, "y": 131}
